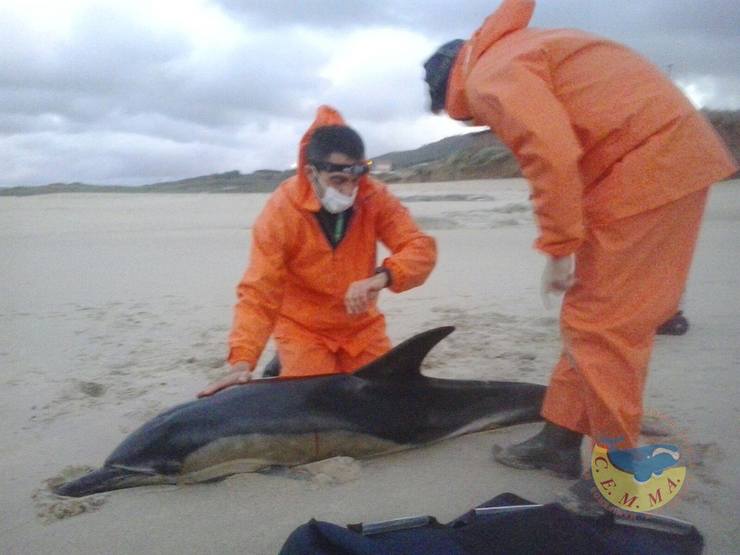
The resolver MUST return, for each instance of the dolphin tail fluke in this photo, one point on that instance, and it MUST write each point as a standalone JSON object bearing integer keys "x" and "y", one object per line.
{"x": 104, "y": 479}
{"x": 404, "y": 361}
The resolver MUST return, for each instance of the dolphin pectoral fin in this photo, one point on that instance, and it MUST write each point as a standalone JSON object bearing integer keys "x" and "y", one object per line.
{"x": 404, "y": 360}
{"x": 105, "y": 479}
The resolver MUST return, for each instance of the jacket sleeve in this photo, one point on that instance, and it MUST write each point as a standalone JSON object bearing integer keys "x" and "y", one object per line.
{"x": 260, "y": 292}
{"x": 413, "y": 253}
{"x": 517, "y": 101}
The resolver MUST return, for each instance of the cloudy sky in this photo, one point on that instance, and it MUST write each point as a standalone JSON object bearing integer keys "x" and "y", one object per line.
{"x": 138, "y": 91}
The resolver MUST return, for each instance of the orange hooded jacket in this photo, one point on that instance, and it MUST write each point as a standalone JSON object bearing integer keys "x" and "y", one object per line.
{"x": 296, "y": 281}
{"x": 600, "y": 133}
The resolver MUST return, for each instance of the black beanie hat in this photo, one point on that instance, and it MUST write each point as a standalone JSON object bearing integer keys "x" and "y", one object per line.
{"x": 438, "y": 72}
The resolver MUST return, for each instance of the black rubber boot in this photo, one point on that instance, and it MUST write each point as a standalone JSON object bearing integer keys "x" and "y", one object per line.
{"x": 675, "y": 325}
{"x": 554, "y": 448}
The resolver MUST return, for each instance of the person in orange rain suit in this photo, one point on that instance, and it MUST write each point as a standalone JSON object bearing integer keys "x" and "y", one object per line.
{"x": 312, "y": 278}
{"x": 619, "y": 164}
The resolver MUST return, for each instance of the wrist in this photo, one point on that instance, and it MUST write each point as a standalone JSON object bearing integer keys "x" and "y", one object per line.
{"x": 241, "y": 366}
{"x": 383, "y": 275}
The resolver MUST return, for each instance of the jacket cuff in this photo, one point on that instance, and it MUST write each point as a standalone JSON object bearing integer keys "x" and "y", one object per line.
{"x": 240, "y": 354}
{"x": 557, "y": 250}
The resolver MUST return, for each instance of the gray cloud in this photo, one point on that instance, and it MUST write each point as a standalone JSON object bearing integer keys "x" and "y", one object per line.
{"x": 116, "y": 92}
{"x": 694, "y": 38}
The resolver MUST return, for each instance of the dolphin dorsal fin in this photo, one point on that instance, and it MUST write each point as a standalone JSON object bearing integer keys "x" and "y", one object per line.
{"x": 404, "y": 360}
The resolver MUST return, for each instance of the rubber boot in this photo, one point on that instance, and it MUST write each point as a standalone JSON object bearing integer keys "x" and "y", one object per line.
{"x": 675, "y": 325}
{"x": 554, "y": 448}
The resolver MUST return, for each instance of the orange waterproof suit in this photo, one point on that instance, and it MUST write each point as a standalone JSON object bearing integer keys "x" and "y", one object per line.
{"x": 295, "y": 283}
{"x": 619, "y": 163}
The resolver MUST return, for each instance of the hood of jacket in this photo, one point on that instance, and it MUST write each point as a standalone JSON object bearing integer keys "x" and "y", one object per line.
{"x": 303, "y": 194}
{"x": 511, "y": 15}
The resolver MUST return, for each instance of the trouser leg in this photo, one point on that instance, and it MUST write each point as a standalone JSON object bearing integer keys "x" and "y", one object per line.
{"x": 302, "y": 356}
{"x": 377, "y": 347}
{"x": 630, "y": 275}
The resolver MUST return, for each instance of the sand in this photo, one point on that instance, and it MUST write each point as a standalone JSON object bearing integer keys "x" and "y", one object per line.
{"x": 116, "y": 307}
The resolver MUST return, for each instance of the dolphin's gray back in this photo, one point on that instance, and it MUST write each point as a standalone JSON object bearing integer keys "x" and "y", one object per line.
{"x": 419, "y": 410}
{"x": 280, "y": 407}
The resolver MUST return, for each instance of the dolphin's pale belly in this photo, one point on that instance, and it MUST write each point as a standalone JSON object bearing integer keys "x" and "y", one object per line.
{"x": 248, "y": 453}
{"x": 251, "y": 452}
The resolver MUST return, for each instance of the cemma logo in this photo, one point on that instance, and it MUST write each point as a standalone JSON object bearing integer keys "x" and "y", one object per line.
{"x": 640, "y": 479}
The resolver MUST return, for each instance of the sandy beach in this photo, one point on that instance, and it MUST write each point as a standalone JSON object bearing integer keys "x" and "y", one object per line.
{"x": 114, "y": 307}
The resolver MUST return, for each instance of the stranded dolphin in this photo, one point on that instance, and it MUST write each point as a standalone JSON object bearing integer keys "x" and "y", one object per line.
{"x": 386, "y": 406}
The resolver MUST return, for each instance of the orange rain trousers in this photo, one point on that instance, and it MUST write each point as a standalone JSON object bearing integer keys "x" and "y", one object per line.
{"x": 630, "y": 275}
{"x": 304, "y": 354}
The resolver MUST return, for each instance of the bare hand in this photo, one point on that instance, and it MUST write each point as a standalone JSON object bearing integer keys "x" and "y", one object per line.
{"x": 557, "y": 277}
{"x": 240, "y": 373}
{"x": 362, "y": 294}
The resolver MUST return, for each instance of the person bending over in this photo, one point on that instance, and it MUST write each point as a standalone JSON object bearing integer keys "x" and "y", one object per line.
{"x": 619, "y": 164}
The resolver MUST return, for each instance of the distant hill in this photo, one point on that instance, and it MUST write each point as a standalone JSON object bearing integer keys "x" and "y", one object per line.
{"x": 261, "y": 181}
{"x": 438, "y": 150}
{"x": 481, "y": 155}
{"x": 476, "y": 155}
{"x": 472, "y": 156}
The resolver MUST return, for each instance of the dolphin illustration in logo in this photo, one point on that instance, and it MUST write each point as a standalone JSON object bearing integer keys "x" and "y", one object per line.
{"x": 383, "y": 407}
{"x": 644, "y": 462}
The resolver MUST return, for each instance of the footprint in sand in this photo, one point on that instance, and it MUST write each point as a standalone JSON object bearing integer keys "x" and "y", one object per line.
{"x": 495, "y": 344}
{"x": 329, "y": 472}
{"x": 703, "y": 458}
{"x": 92, "y": 389}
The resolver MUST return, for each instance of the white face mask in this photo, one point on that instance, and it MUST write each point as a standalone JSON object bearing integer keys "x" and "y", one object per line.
{"x": 336, "y": 202}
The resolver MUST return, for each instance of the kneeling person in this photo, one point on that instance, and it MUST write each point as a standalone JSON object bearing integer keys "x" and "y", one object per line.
{"x": 313, "y": 280}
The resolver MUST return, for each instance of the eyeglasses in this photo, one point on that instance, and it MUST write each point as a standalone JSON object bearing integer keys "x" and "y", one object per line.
{"x": 354, "y": 170}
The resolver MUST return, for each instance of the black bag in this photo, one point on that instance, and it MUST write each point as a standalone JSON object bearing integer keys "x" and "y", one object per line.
{"x": 506, "y": 524}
